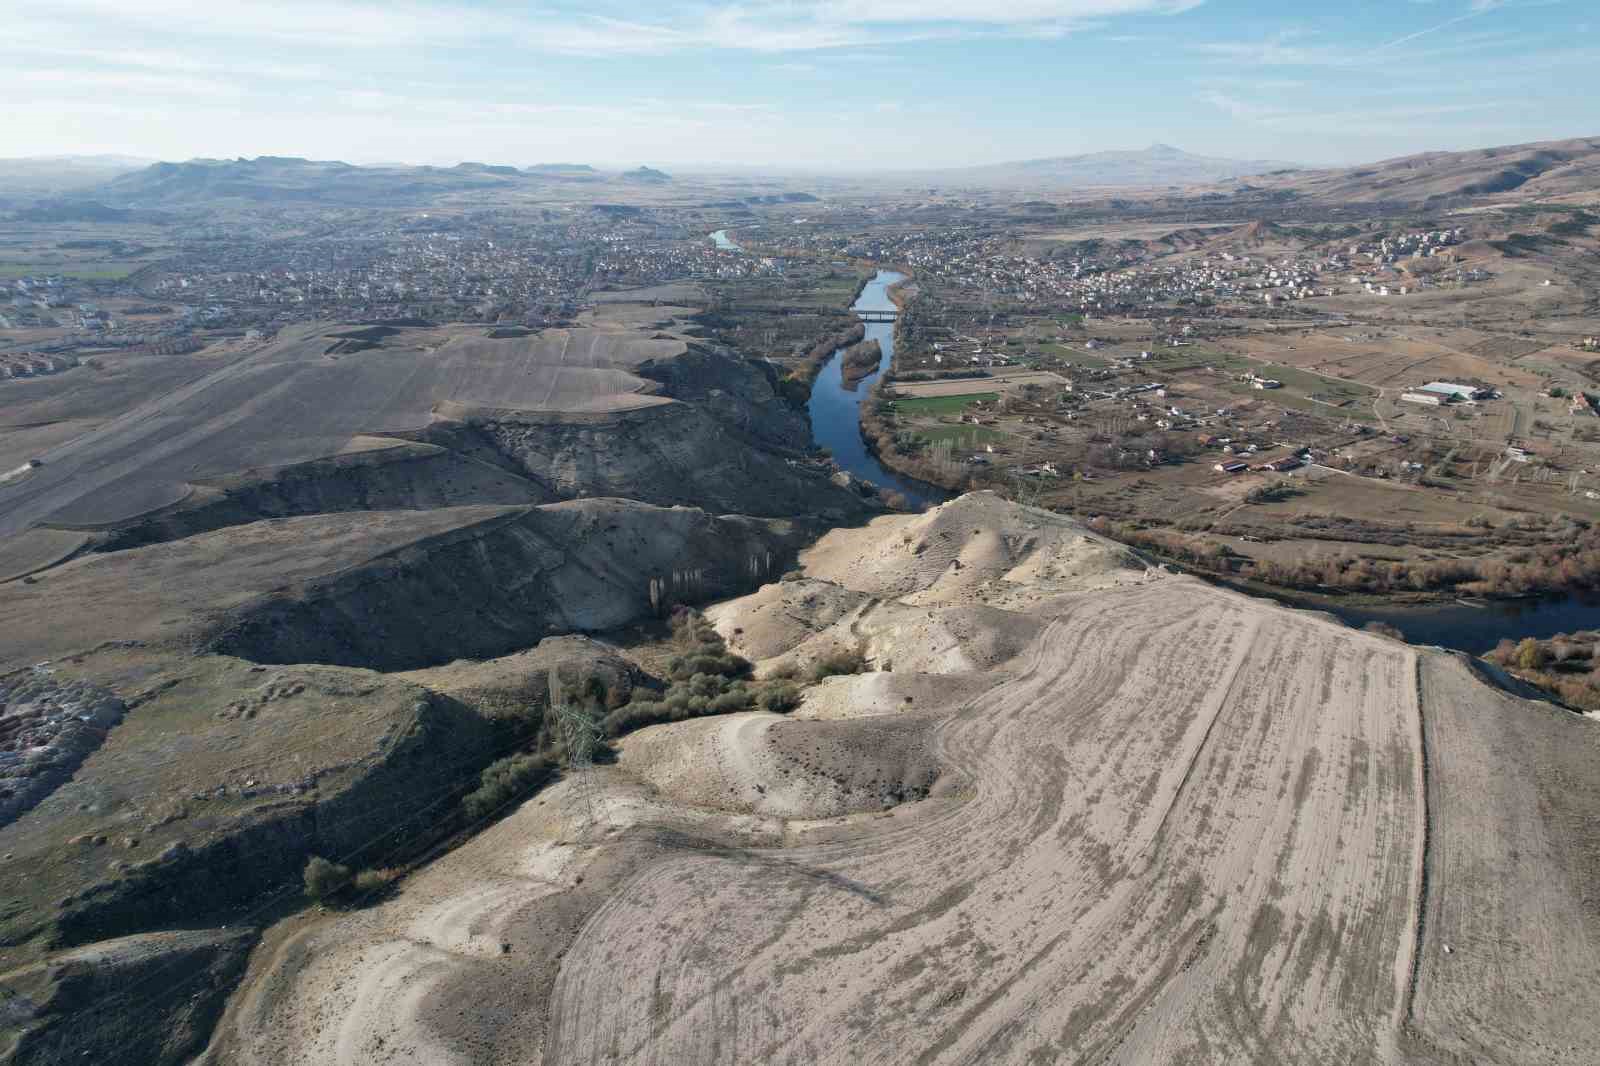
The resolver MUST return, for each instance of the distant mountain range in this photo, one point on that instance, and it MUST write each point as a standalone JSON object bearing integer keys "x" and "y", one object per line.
{"x": 291, "y": 179}
{"x": 1549, "y": 168}
{"x": 1160, "y": 164}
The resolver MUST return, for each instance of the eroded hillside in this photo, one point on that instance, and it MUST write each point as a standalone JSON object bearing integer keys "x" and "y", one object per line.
{"x": 292, "y": 599}
{"x": 1150, "y": 821}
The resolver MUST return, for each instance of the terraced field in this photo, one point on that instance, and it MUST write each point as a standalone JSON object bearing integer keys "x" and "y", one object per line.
{"x": 1184, "y": 843}
{"x": 1156, "y": 822}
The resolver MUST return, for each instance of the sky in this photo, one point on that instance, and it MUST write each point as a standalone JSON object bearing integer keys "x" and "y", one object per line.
{"x": 791, "y": 84}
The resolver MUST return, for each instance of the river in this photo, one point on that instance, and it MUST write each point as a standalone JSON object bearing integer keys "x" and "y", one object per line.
{"x": 1478, "y": 626}
{"x": 835, "y": 408}
{"x": 723, "y": 241}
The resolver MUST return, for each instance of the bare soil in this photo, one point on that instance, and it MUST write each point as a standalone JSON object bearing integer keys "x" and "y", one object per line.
{"x": 1178, "y": 825}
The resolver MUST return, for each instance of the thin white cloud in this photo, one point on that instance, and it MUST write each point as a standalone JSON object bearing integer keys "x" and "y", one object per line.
{"x": 1382, "y": 117}
{"x": 1478, "y": 11}
{"x": 767, "y": 26}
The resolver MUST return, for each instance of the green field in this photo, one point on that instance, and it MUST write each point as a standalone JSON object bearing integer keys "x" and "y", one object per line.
{"x": 1289, "y": 396}
{"x": 939, "y": 405}
{"x": 1334, "y": 390}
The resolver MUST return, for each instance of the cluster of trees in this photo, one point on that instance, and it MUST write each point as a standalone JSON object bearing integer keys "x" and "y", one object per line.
{"x": 1563, "y": 666}
{"x": 326, "y": 881}
{"x": 505, "y": 780}
{"x": 1551, "y": 568}
{"x": 1203, "y": 554}
{"x": 1358, "y": 574}
{"x": 704, "y": 677}
{"x": 1569, "y": 564}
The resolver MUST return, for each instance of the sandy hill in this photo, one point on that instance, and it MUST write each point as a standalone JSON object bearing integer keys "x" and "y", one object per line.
{"x": 1519, "y": 171}
{"x": 1174, "y": 824}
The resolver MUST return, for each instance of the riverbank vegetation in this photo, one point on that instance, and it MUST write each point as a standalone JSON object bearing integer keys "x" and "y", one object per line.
{"x": 1564, "y": 665}
{"x": 1565, "y": 565}
{"x": 859, "y": 360}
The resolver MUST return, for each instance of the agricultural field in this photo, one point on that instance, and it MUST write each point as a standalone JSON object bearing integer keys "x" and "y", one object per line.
{"x": 916, "y": 404}
{"x": 1034, "y": 839}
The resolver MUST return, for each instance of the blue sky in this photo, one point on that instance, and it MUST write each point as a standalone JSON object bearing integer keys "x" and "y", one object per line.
{"x": 800, "y": 83}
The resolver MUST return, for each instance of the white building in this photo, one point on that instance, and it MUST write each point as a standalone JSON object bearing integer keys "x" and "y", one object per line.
{"x": 1450, "y": 390}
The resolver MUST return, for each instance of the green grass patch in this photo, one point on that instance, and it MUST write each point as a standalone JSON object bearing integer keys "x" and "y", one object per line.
{"x": 1311, "y": 384}
{"x": 939, "y": 405}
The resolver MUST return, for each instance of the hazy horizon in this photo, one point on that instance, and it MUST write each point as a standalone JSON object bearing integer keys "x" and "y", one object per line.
{"x": 815, "y": 86}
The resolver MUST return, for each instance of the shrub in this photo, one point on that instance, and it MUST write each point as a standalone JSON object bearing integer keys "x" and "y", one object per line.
{"x": 324, "y": 879}
{"x": 844, "y": 661}
{"x": 718, "y": 664}
{"x": 371, "y": 882}
{"x": 505, "y": 780}
{"x": 1530, "y": 654}
{"x": 779, "y": 697}
{"x": 636, "y": 714}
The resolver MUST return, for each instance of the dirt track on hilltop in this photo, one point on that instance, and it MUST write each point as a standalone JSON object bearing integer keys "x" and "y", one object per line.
{"x": 1145, "y": 869}
{"x": 1180, "y": 825}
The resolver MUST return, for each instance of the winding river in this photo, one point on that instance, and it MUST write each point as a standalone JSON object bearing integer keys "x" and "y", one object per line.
{"x": 835, "y": 407}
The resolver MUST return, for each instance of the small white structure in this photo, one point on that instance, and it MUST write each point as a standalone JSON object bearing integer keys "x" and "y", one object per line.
{"x": 1429, "y": 398}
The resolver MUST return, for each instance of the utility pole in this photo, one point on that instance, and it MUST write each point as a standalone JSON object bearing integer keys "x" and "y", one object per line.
{"x": 580, "y": 734}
